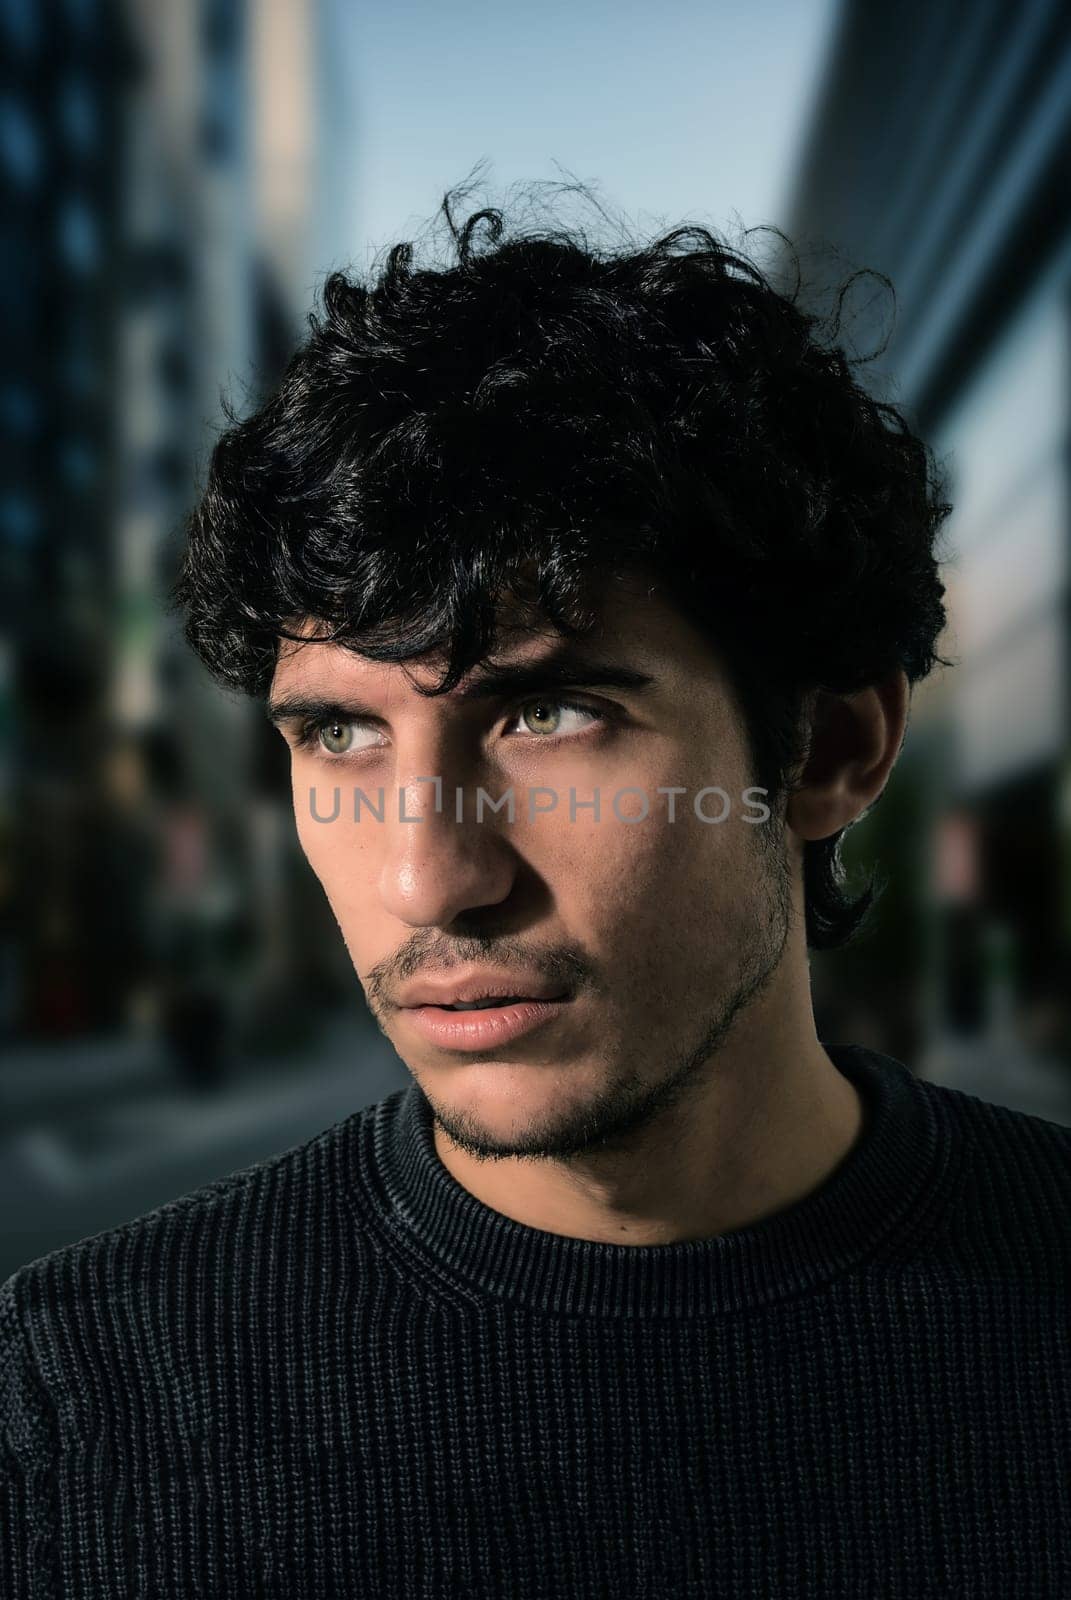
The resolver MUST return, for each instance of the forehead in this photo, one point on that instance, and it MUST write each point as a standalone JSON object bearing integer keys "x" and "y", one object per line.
{"x": 635, "y": 625}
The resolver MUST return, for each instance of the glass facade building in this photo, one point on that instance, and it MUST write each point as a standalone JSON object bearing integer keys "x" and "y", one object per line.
{"x": 937, "y": 156}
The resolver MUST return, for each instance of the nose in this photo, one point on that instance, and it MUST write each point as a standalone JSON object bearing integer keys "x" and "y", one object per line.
{"x": 436, "y": 867}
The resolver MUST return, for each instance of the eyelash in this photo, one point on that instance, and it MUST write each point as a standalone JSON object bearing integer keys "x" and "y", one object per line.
{"x": 308, "y": 732}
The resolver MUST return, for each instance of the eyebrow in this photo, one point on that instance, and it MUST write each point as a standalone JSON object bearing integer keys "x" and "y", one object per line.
{"x": 567, "y": 669}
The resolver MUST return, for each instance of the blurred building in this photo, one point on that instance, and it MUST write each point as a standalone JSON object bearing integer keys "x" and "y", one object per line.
{"x": 938, "y": 156}
{"x": 163, "y": 199}
{"x": 63, "y": 74}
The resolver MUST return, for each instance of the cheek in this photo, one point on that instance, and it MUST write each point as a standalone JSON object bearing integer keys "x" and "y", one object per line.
{"x": 318, "y": 840}
{"x": 665, "y": 911}
{"x": 643, "y": 877}
{"x": 336, "y": 850}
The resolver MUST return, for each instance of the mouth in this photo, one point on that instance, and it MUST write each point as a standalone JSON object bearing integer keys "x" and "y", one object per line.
{"x": 484, "y": 1024}
{"x": 490, "y": 1002}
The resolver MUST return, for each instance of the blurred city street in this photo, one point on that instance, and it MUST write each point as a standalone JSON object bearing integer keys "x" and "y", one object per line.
{"x": 99, "y": 1135}
{"x": 177, "y": 183}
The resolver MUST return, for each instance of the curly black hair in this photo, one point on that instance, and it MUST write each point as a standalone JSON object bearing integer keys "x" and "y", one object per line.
{"x": 539, "y": 413}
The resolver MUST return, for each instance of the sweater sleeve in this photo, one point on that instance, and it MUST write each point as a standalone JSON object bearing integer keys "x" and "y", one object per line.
{"x": 26, "y": 1538}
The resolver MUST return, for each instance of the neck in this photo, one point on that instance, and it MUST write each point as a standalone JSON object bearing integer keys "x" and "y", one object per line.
{"x": 764, "y": 1128}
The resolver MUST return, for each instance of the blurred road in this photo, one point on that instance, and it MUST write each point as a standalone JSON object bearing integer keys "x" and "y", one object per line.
{"x": 95, "y": 1135}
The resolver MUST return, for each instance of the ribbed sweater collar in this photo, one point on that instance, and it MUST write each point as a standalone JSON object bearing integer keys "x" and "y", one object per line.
{"x": 888, "y": 1192}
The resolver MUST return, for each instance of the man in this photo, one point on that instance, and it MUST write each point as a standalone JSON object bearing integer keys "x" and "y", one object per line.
{"x": 588, "y": 591}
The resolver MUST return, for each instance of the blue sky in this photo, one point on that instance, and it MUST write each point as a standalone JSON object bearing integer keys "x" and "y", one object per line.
{"x": 671, "y": 111}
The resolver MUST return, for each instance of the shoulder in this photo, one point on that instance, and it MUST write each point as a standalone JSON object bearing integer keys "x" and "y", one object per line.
{"x": 1016, "y": 1145}
{"x": 154, "y": 1293}
{"x": 1018, "y": 1168}
{"x": 24, "y": 1410}
{"x": 302, "y": 1181}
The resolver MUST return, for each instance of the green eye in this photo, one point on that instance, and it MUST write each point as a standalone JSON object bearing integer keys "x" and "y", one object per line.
{"x": 545, "y": 710}
{"x": 336, "y": 737}
{"x": 545, "y": 718}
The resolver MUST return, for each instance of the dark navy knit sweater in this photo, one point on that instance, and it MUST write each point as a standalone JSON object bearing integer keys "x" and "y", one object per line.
{"x": 336, "y": 1372}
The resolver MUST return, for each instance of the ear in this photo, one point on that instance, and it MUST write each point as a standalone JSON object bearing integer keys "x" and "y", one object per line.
{"x": 855, "y": 740}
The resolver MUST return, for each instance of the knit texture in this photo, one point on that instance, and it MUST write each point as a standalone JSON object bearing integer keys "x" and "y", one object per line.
{"x": 336, "y": 1372}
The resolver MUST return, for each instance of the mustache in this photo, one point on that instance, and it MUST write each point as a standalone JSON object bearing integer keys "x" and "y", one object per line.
{"x": 563, "y": 966}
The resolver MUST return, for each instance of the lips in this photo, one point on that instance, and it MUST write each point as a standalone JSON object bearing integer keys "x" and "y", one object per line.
{"x": 503, "y": 987}
{"x": 485, "y": 1003}
{"x": 481, "y": 1031}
